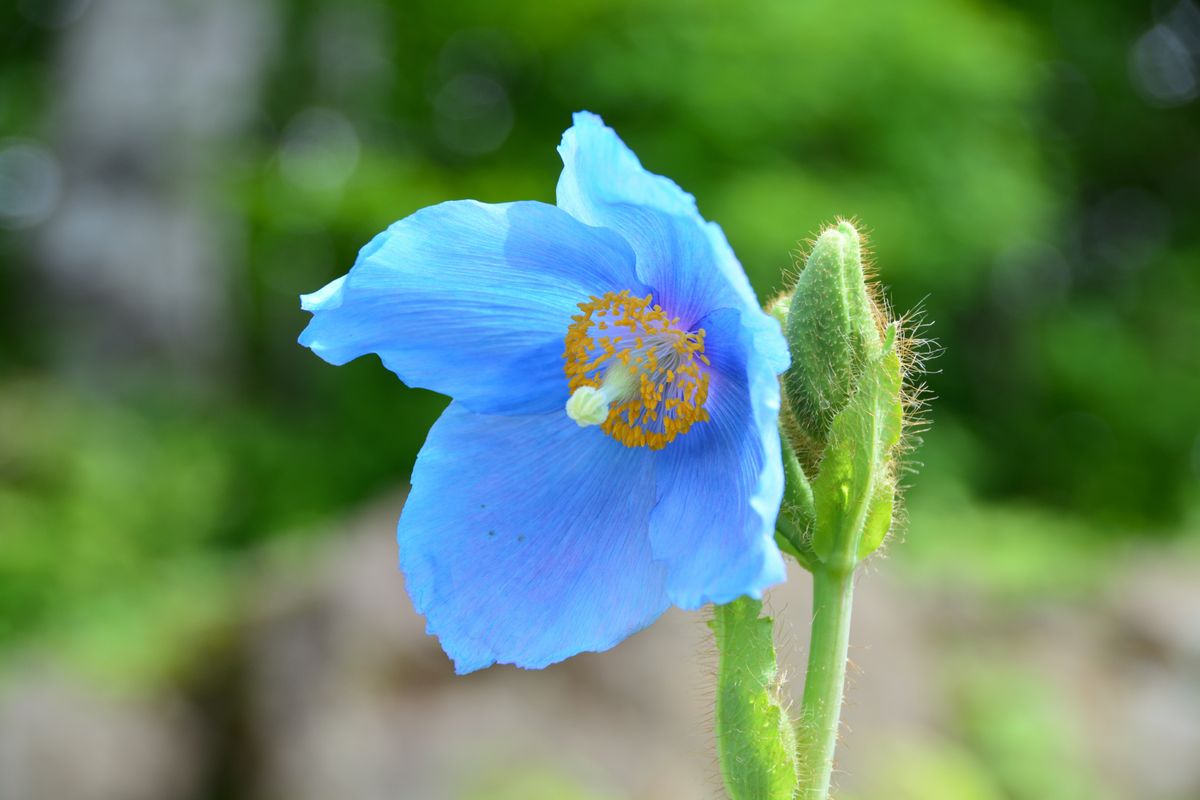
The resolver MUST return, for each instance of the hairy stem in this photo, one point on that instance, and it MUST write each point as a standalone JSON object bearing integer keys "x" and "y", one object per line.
{"x": 826, "y": 681}
{"x": 756, "y": 745}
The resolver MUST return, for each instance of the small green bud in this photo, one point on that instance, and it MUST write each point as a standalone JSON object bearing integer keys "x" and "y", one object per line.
{"x": 831, "y": 331}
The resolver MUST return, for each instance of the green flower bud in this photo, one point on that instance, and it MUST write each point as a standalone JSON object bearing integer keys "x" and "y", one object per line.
{"x": 831, "y": 330}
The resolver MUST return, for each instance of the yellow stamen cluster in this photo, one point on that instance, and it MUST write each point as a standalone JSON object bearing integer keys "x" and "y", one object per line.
{"x": 628, "y": 348}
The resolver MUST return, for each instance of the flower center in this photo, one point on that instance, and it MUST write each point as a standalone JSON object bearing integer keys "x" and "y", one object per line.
{"x": 634, "y": 372}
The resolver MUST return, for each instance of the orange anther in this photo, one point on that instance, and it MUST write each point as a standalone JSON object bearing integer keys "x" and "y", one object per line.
{"x": 669, "y": 390}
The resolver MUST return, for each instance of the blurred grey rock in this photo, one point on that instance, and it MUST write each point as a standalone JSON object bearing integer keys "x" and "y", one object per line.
{"x": 61, "y": 739}
{"x": 350, "y": 698}
{"x": 1158, "y": 599}
{"x": 329, "y": 687}
{"x": 150, "y": 98}
{"x": 1153, "y": 735}
{"x": 1152, "y": 661}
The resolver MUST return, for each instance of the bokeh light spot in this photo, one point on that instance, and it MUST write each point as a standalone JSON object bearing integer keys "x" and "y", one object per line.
{"x": 320, "y": 150}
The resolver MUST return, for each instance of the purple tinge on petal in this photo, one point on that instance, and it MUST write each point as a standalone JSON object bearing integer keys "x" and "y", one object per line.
{"x": 686, "y": 260}
{"x": 524, "y": 539}
{"x": 527, "y": 539}
{"x": 471, "y": 300}
{"x": 720, "y": 486}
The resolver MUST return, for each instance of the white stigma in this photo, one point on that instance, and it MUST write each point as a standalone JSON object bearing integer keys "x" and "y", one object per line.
{"x": 587, "y": 406}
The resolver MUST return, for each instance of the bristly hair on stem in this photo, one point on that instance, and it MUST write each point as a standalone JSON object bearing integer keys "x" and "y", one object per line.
{"x": 851, "y": 417}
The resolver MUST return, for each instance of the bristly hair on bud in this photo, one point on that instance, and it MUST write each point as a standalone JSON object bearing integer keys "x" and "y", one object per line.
{"x": 834, "y": 326}
{"x": 837, "y": 322}
{"x": 915, "y": 350}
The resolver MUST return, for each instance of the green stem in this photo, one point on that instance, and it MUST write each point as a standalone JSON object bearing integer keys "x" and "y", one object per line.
{"x": 821, "y": 707}
{"x": 756, "y": 744}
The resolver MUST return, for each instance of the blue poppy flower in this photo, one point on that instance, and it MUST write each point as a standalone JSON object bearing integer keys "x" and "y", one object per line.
{"x": 611, "y": 448}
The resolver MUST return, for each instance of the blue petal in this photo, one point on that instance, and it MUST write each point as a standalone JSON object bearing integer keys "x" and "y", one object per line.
{"x": 721, "y": 484}
{"x": 684, "y": 259}
{"x": 471, "y": 300}
{"x": 524, "y": 541}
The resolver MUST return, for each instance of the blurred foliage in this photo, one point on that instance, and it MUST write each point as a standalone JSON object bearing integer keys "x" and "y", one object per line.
{"x": 1013, "y": 552}
{"x": 529, "y": 782}
{"x": 1016, "y": 186}
{"x": 1018, "y": 742}
{"x": 106, "y": 506}
{"x": 1024, "y": 733}
{"x": 1019, "y": 185}
{"x": 929, "y": 771}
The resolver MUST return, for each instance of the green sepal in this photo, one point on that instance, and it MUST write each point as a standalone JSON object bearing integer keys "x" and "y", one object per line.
{"x": 879, "y": 518}
{"x": 786, "y": 537}
{"x": 756, "y": 744}
{"x": 855, "y": 485}
{"x": 794, "y": 526}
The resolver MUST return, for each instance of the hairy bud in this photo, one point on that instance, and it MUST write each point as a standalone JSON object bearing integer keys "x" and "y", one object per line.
{"x": 831, "y": 331}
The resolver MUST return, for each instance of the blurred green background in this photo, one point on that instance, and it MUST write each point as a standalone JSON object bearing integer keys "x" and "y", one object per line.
{"x": 190, "y": 587}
